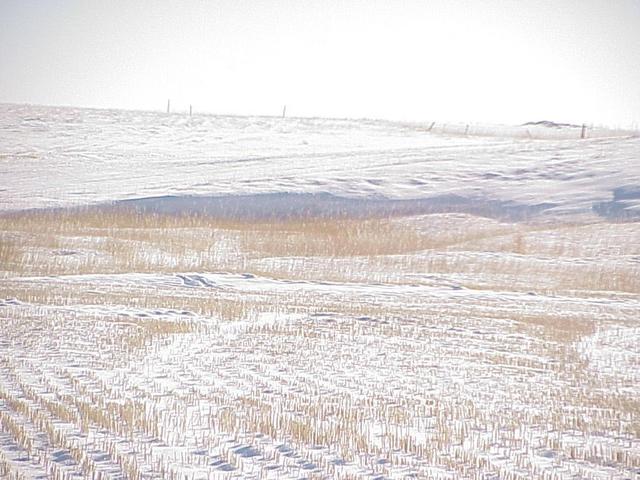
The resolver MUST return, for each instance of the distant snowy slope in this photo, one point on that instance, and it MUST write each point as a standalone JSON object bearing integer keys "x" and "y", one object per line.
{"x": 63, "y": 156}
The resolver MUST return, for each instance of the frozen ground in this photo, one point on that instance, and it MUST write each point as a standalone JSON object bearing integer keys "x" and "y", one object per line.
{"x": 89, "y": 156}
{"x": 357, "y": 299}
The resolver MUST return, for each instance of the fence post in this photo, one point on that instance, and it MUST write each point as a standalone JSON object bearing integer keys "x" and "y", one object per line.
{"x": 583, "y": 133}
{"x": 168, "y": 105}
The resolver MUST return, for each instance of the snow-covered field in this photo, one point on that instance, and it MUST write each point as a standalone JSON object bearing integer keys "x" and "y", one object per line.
{"x": 61, "y": 156}
{"x": 408, "y": 301}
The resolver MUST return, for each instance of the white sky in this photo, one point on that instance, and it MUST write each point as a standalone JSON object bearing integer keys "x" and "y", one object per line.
{"x": 505, "y": 61}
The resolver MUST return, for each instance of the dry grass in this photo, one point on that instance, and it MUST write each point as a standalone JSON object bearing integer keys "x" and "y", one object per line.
{"x": 556, "y": 258}
{"x": 388, "y": 371}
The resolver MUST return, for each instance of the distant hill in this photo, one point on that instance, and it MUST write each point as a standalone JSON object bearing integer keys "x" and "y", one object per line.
{"x": 549, "y": 124}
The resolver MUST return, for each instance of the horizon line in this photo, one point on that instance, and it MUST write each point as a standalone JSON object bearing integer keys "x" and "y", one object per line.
{"x": 633, "y": 127}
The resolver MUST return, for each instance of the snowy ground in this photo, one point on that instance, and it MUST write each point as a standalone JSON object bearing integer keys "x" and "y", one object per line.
{"x": 433, "y": 337}
{"x": 89, "y": 156}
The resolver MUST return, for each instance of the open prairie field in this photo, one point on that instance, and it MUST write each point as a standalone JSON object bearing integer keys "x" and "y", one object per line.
{"x": 228, "y": 297}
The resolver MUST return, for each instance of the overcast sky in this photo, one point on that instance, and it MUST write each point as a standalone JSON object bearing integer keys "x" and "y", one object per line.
{"x": 505, "y": 61}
